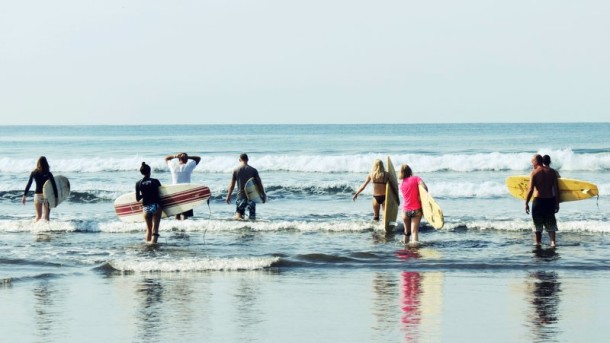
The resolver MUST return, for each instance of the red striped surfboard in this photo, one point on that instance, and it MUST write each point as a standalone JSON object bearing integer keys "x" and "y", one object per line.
{"x": 175, "y": 199}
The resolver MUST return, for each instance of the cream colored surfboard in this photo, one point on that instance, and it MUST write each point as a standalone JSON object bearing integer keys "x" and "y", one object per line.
{"x": 390, "y": 208}
{"x": 432, "y": 211}
{"x": 252, "y": 192}
{"x": 569, "y": 189}
{"x": 63, "y": 190}
{"x": 175, "y": 199}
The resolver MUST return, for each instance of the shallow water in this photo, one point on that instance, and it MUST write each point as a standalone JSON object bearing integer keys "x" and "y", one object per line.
{"x": 314, "y": 266}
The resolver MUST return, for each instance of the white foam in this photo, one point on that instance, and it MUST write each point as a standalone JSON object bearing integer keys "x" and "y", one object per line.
{"x": 564, "y": 159}
{"x": 194, "y": 264}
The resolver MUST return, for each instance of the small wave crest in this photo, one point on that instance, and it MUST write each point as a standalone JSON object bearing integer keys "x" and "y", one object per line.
{"x": 191, "y": 265}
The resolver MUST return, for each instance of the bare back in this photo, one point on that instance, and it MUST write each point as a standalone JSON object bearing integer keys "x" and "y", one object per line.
{"x": 379, "y": 184}
{"x": 543, "y": 180}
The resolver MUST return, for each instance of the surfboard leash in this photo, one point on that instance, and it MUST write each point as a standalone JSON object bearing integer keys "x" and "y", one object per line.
{"x": 209, "y": 218}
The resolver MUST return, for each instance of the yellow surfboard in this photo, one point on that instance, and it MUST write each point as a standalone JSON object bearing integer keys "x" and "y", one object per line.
{"x": 432, "y": 211}
{"x": 569, "y": 189}
{"x": 390, "y": 207}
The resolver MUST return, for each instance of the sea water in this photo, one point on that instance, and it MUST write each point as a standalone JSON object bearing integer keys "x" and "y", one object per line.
{"x": 314, "y": 266}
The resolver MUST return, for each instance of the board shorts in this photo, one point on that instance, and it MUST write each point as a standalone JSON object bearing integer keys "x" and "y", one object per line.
{"x": 151, "y": 208}
{"x": 40, "y": 199}
{"x": 414, "y": 213}
{"x": 379, "y": 198}
{"x": 243, "y": 204}
{"x": 543, "y": 214}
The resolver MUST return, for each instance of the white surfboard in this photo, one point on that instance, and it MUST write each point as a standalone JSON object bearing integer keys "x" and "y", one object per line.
{"x": 252, "y": 191}
{"x": 63, "y": 190}
{"x": 175, "y": 199}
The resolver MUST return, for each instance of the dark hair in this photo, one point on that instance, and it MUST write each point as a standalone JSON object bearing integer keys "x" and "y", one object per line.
{"x": 42, "y": 165}
{"x": 243, "y": 157}
{"x": 546, "y": 159}
{"x": 538, "y": 158}
{"x": 145, "y": 169}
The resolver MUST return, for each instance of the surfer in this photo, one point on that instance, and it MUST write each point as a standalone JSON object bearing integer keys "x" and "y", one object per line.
{"x": 147, "y": 190}
{"x": 542, "y": 186}
{"x": 241, "y": 175}
{"x": 40, "y": 175}
{"x": 411, "y": 207}
{"x": 379, "y": 178}
{"x": 181, "y": 171}
{"x": 546, "y": 162}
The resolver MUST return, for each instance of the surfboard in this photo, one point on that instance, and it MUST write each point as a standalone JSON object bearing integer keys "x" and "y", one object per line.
{"x": 569, "y": 189}
{"x": 252, "y": 191}
{"x": 63, "y": 190}
{"x": 390, "y": 208}
{"x": 175, "y": 199}
{"x": 432, "y": 211}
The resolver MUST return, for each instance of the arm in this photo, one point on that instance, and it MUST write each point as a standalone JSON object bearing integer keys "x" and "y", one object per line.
{"x": 138, "y": 193}
{"x": 170, "y": 157}
{"x": 366, "y": 182}
{"x": 421, "y": 182}
{"x": 230, "y": 191}
{"x": 530, "y": 192}
{"x": 197, "y": 159}
{"x": 27, "y": 188}
{"x": 556, "y": 195}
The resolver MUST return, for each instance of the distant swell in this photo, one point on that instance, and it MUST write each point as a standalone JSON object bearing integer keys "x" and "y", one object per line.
{"x": 564, "y": 160}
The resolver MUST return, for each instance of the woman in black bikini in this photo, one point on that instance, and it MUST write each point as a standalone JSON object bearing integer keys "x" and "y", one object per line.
{"x": 40, "y": 175}
{"x": 379, "y": 178}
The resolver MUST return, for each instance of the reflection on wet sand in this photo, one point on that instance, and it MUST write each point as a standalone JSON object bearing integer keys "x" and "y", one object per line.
{"x": 46, "y": 319}
{"x": 413, "y": 300}
{"x": 149, "y": 320}
{"x": 545, "y": 290}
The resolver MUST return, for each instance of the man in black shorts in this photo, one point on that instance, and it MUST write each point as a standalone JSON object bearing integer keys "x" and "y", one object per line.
{"x": 544, "y": 188}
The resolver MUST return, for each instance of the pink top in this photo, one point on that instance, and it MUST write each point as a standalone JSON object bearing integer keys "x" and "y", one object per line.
{"x": 410, "y": 193}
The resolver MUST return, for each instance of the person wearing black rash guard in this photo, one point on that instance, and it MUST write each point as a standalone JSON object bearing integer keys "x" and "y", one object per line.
{"x": 40, "y": 175}
{"x": 147, "y": 190}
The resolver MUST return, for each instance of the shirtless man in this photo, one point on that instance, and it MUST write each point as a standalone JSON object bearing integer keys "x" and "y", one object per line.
{"x": 543, "y": 182}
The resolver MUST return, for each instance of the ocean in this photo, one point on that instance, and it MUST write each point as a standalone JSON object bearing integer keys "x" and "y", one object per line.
{"x": 314, "y": 266}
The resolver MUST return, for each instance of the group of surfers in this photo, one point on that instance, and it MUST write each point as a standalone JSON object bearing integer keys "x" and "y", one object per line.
{"x": 543, "y": 188}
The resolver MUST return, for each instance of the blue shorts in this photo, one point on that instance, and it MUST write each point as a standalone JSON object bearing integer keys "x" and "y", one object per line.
{"x": 242, "y": 204}
{"x": 151, "y": 208}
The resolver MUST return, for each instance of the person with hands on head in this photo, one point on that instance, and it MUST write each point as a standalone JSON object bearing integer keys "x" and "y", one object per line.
{"x": 181, "y": 166}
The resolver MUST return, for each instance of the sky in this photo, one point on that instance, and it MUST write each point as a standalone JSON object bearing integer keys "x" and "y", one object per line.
{"x": 130, "y": 62}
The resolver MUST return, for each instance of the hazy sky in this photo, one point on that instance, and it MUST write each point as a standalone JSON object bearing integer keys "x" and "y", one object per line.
{"x": 313, "y": 61}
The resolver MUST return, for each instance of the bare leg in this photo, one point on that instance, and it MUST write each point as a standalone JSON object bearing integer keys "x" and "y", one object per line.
{"x": 406, "y": 222}
{"x": 156, "y": 220}
{"x": 376, "y": 207}
{"x": 415, "y": 229}
{"x": 38, "y": 208}
{"x": 552, "y": 238}
{"x": 149, "y": 223}
{"x": 537, "y": 238}
{"x": 46, "y": 211}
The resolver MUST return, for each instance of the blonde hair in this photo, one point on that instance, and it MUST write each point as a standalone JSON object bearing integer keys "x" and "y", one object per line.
{"x": 378, "y": 171}
{"x": 405, "y": 171}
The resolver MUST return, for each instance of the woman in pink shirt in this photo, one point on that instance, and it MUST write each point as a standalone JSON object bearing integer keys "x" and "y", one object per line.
{"x": 411, "y": 205}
